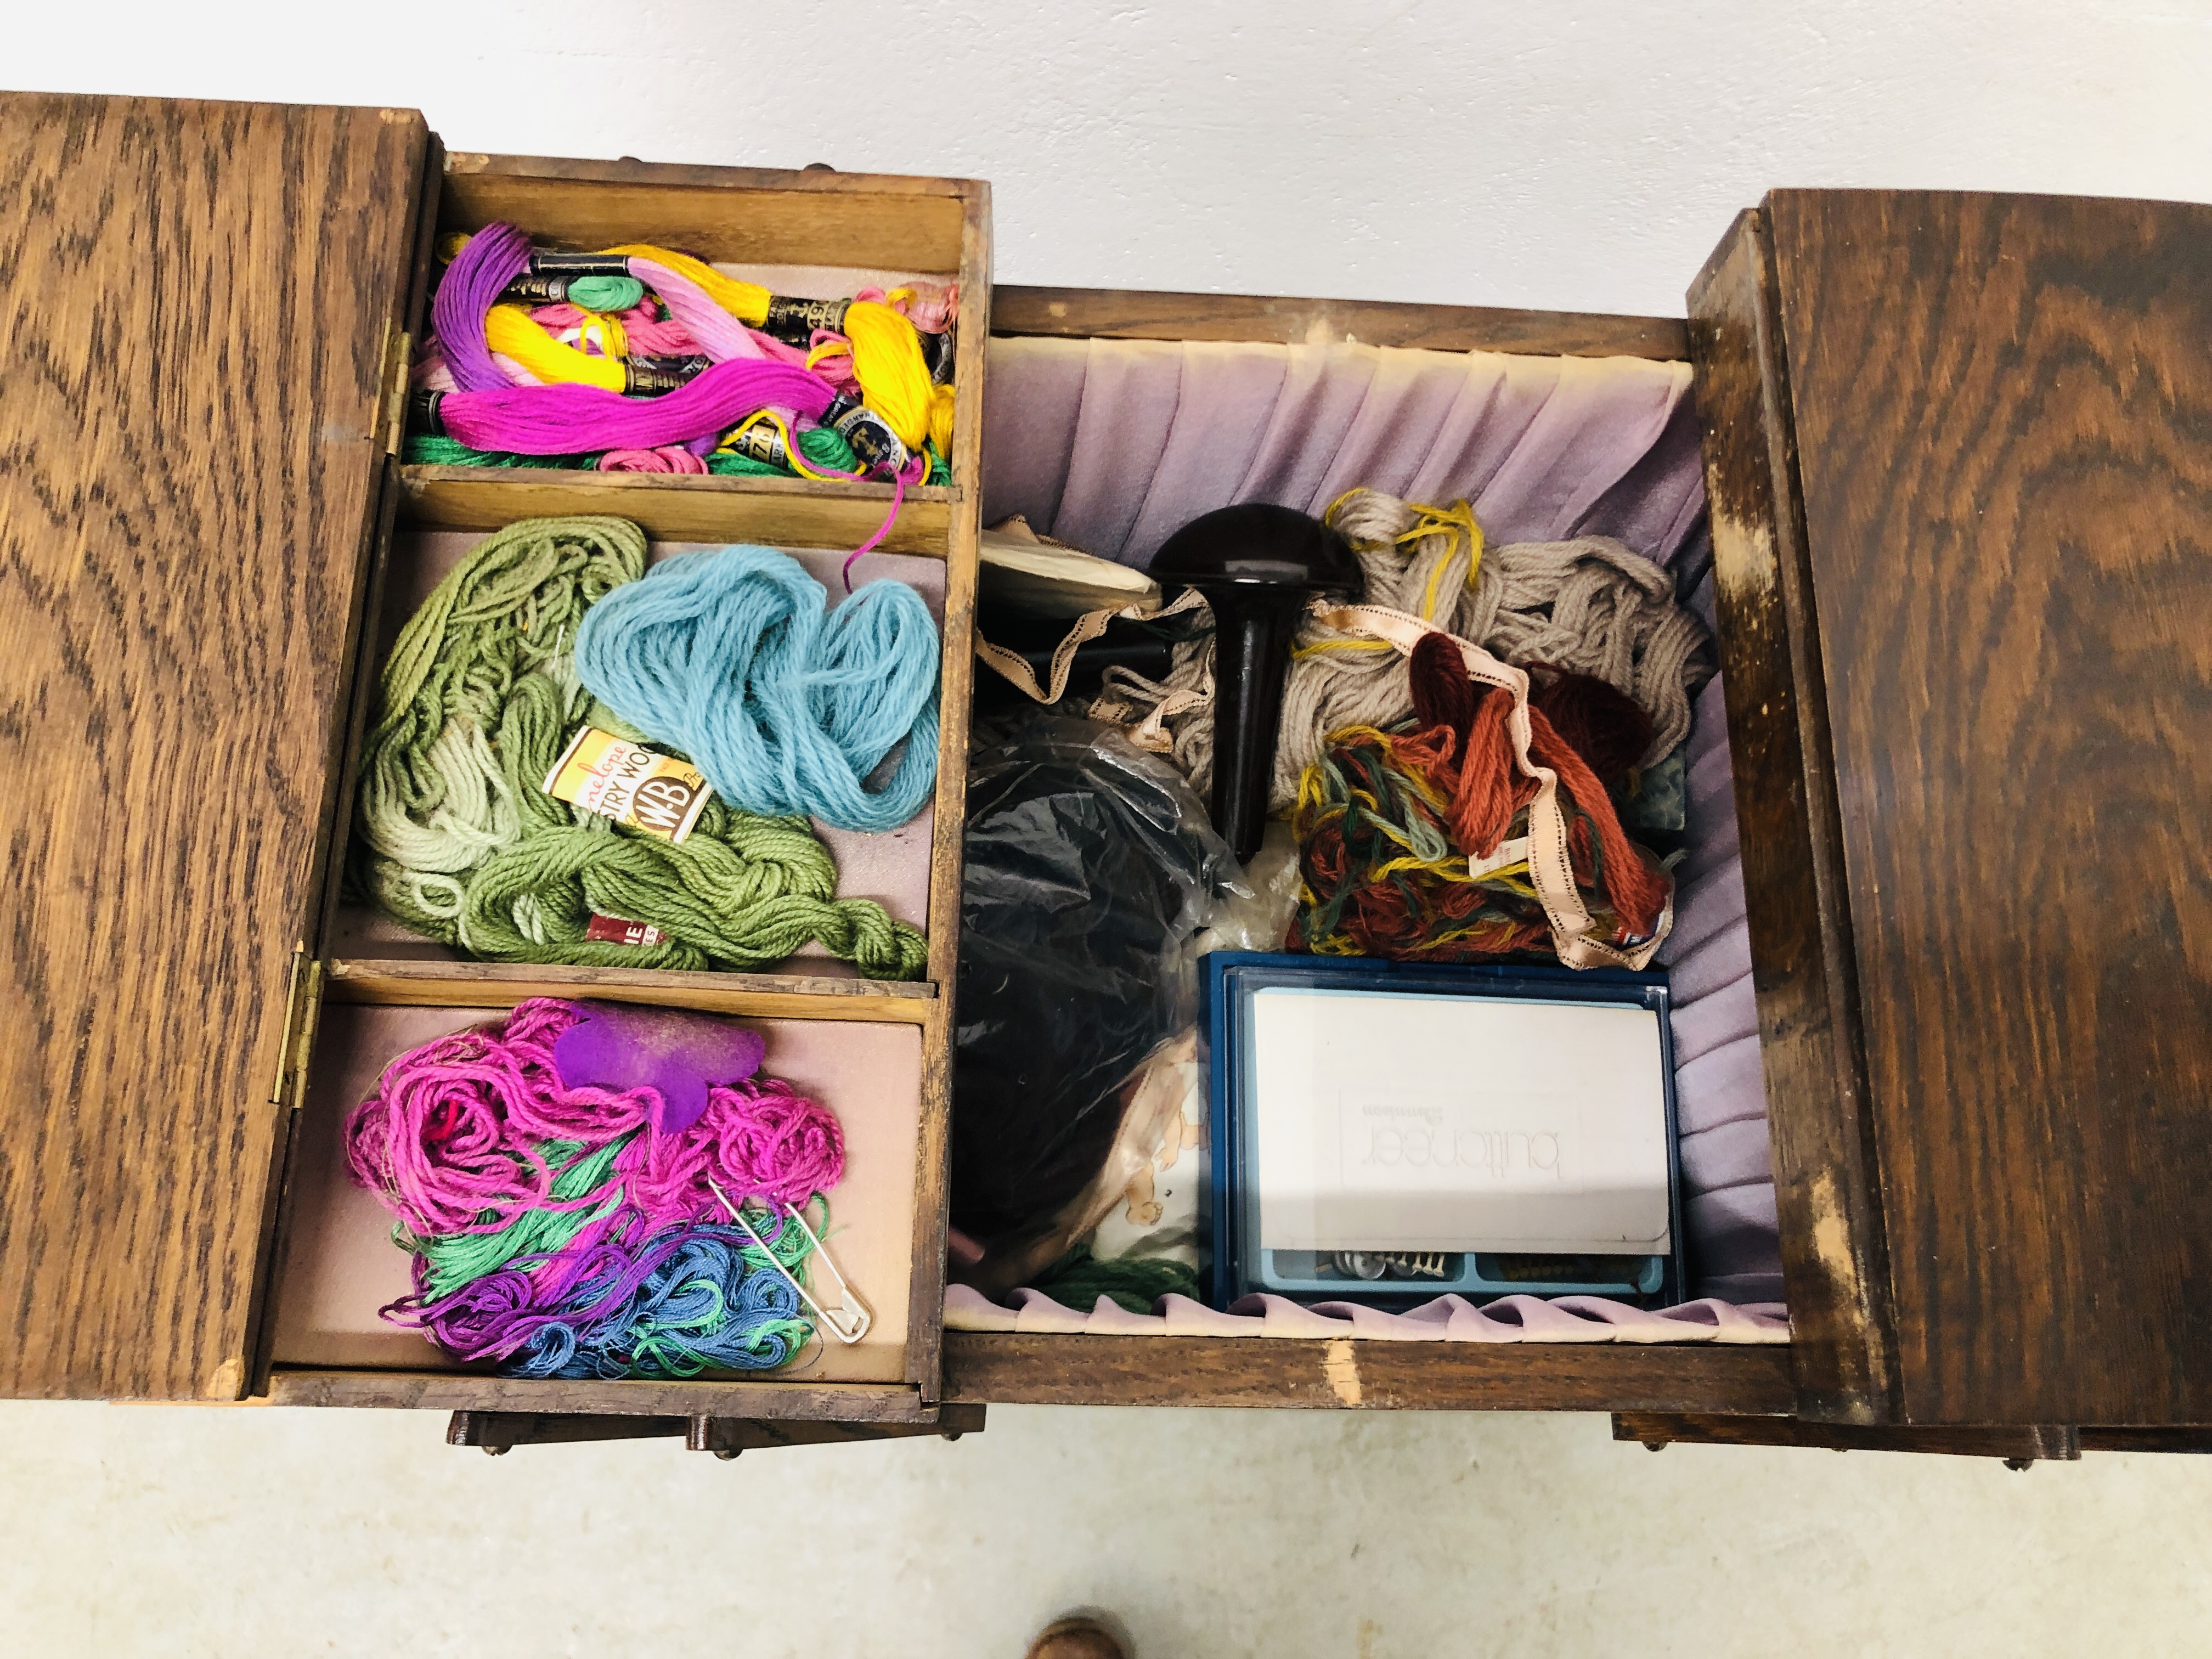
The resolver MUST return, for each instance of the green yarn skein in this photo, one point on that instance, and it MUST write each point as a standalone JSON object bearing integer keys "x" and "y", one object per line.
{"x": 606, "y": 293}
{"x": 824, "y": 448}
{"x": 423, "y": 449}
{"x": 1079, "y": 1278}
{"x": 452, "y": 1259}
{"x": 458, "y": 840}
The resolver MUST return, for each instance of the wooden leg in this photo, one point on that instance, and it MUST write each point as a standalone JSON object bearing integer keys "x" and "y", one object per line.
{"x": 2019, "y": 1444}
{"x": 726, "y": 1437}
{"x": 498, "y": 1432}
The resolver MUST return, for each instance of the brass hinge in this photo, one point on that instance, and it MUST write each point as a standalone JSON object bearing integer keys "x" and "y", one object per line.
{"x": 392, "y": 401}
{"x": 303, "y": 1006}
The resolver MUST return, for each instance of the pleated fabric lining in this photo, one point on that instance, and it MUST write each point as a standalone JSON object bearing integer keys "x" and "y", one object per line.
{"x": 1445, "y": 1319}
{"x": 1112, "y": 444}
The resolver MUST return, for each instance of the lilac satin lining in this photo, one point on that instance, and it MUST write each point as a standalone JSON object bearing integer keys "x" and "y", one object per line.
{"x": 1112, "y": 445}
{"x": 1447, "y": 1319}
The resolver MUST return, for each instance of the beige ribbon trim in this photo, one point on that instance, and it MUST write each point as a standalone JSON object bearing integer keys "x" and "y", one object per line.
{"x": 1550, "y": 869}
{"x": 1088, "y": 627}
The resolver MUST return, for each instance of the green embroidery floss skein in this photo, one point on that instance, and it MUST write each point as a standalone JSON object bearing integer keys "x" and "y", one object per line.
{"x": 457, "y": 839}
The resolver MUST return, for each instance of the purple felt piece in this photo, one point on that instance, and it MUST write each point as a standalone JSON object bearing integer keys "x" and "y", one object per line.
{"x": 618, "y": 1047}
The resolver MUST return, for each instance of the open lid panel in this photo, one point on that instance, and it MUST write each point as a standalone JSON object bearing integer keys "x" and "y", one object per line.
{"x": 1959, "y": 452}
{"x": 201, "y": 301}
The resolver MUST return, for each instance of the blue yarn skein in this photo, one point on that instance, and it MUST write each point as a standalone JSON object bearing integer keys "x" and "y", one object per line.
{"x": 730, "y": 657}
{"x": 708, "y": 1304}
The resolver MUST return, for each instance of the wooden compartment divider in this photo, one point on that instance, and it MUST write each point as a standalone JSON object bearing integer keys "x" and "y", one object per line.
{"x": 937, "y": 226}
{"x": 778, "y": 512}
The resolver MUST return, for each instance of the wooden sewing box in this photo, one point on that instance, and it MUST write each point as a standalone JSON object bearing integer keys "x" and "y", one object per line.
{"x": 1958, "y": 452}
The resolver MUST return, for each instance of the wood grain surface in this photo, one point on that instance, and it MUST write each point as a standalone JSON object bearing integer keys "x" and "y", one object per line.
{"x": 197, "y": 300}
{"x": 727, "y": 1437}
{"x": 1826, "y": 1192}
{"x": 1004, "y": 1368}
{"x": 499, "y": 1433}
{"x": 1138, "y": 314}
{"x": 407, "y": 983}
{"x": 453, "y": 1391}
{"x": 740, "y": 215}
{"x": 2003, "y": 417}
{"x": 934, "y": 1171}
{"x": 672, "y": 507}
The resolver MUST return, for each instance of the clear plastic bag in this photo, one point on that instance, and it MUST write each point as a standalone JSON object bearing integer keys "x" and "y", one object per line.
{"x": 1090, "y": 866}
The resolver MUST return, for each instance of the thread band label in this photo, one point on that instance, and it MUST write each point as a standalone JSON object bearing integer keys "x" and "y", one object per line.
{"x": 936, "y": 352}
{"x": 545, "y": 263}
{"x": 650, "y": 376}
{"x": 874, "y": 441}
{"x": 793, "y": 321}
{"x": 532, "y": 290}
{"x": 760, "y": 442}
{"x": 613, "y": 929}
{"x": 605, "y": 773}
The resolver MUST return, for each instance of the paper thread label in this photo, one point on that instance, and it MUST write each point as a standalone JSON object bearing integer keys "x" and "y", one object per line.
{"x": 936, "y": 352}
{"x": 793, "y": 321}
{"x": 648, "y": 376}
{"x": 544, "y": 262}
{"x": 604, "y": 774}
{"x": 762, "y": 442}
{"x": 531, "y": 288}
{"x": 874, "y": 441}
{"x": 613, "y": 929}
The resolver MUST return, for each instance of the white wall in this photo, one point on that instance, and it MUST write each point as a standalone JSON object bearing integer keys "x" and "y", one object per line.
{"x": 1550, "y": 156}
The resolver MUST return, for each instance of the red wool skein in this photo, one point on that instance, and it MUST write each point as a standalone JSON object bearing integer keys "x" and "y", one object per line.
{"x": 1484, "y": 791}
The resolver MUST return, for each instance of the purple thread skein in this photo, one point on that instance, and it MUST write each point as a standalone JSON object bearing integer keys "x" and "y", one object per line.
{"x": 480, "y": 272}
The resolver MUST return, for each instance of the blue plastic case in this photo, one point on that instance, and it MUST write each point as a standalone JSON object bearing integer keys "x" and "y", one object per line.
{"x": 1228, "y": 981}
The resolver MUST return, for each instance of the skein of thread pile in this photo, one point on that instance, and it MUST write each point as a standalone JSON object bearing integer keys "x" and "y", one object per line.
{"x": 556, "y": 1231}
{"x": 730, "y": 657}
{"x": 1396, "y": 828}
{"x": 457, "y": 839}
{"x": 499, "y": 374}
{"x": 1591, "y": 606}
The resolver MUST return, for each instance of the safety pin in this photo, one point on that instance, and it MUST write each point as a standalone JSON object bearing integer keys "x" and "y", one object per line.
{"x": 851, "y": 1321}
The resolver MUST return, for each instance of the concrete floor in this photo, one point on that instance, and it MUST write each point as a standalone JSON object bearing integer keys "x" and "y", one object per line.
{"x": 130, "y": 1530}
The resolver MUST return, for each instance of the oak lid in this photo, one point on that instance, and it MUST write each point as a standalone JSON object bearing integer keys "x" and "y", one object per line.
{"x": 1960, "y": 451}
{"x": 200, "y": 300}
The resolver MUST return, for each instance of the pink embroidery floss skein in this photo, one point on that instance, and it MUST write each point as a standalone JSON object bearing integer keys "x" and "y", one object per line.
{"x": 570, "y": 419}
{"x": 653, "y": 1278}
{"x": 450, "y": 1139}
{"x": 719, "y": 335}
{"x": 762, "y": 1139}
{"x": 671, "y": 458}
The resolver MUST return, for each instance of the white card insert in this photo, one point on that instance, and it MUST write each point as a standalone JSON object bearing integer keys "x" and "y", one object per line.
{"x": 1387, "y": 1121}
